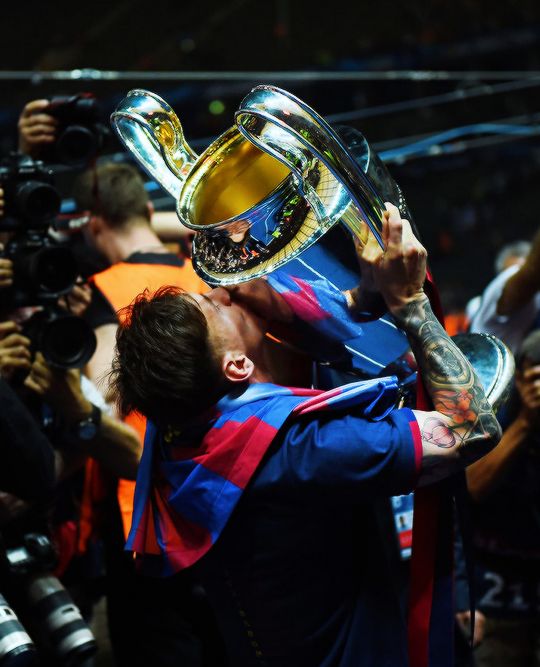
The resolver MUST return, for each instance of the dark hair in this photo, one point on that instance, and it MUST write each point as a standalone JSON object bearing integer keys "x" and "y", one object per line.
{"x": 165, "y": 366}
{"x": 114, "y": 191}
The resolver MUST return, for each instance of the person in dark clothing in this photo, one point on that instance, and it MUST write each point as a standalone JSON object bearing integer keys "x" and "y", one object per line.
{"x": 505, "y": 488}
{"x": 28, "y": 462}
{"x": 267, "y": 490}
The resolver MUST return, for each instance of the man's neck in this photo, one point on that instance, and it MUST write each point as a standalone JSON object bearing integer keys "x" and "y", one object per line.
{"x": 279, "y": 364}
{"x": 119, "y": 245}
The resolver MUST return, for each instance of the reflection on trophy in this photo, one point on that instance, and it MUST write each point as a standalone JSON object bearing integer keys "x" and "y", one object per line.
{"x": 283, "y": 195}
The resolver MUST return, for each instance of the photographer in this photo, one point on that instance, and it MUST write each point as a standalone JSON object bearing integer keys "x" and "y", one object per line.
{"x": 505, "y": 489}
{"x": 110, "y": 442}
{"x": 43, "y": 343}
{"x": 28, "y": 461}
{"x": 37, "y": 128}
{"x": 68, "y": 408}
{"x": 67, "y": 130}
{"x": 72, "y": 397}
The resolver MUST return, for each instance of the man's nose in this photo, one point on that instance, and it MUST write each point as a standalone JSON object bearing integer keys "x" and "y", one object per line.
{"x": 220, "y": 295}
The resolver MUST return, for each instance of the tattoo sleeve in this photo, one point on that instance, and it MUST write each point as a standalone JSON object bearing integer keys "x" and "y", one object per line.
{"x": 469, "y": 425}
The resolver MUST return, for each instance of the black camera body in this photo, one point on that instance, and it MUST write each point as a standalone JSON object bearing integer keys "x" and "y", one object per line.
{"x": 35, "y": 553}
{"x": 81, "y": 131}
{"x": 43, "y": 268}
{"x": 31, "y": 201}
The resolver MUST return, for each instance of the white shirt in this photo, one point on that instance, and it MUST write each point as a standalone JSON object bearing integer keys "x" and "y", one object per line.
{"x": 511, "y": 329}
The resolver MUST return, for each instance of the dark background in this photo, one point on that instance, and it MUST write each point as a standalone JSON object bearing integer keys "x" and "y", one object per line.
{"x": 468, "y": 197}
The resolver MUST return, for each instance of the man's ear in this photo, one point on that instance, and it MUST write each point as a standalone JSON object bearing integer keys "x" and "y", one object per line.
{"x": 95, "y": 224}
{"x": 150, "y": 208}
{"x": 237, "y": 367}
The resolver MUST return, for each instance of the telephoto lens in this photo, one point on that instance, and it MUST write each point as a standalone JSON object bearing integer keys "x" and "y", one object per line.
{"x": 77, "y": 144}
{"x": 66, "y": 341}
{"x": 16, "y": 647}
{"x": 80, "y": 130}
{"x": 60, "y": 622}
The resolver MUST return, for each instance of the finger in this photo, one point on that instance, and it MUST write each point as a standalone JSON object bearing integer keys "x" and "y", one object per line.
{"x": 531, "y": 373}
{"x": 16, "y": 339}
{"x": 32, "y": 131}
{"x": 8, "y": 327}
{"x": 40, "y": 365}
{"x": 392, "y": 210}
{"x": 34, "y": 106}
{"x": 41, "y": 375}
{"x": 33, "y": 126}
{"x": 408, "y": 235}
{"x": 40, "y": 119}
{"x": 412, "y": 248}
{"x": 6, "y": 275}
{"x": 84, "y": 291}
{"x": 531, "y": 389}
{"x": 395, "y": 235}
{"x": 18, "y": 353}
{"x": 13, "y": 363}
{"x": 33, "y": 385}
{"x": 40, "y": 139}
{"x": 384, "y": 233}
{"x": 81, "y": 295}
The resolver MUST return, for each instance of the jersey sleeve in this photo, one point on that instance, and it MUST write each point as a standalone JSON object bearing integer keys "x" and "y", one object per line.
{"x": 345, "y": 457}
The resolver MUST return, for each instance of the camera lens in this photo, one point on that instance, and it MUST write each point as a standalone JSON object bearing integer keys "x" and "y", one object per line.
{"x": 66, "y": 630}
{"x": 76, "y": 145}
{"x": 16, "y": 647}
{"x": 37, "y": 202}
{"x": 67, "y": 341}
{"x": 53, "y": 270}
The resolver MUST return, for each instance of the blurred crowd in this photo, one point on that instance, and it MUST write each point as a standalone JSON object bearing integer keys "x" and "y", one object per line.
{"x": 70, "y": 459}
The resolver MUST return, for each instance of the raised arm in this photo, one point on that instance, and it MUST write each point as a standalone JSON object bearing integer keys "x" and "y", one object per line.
{"x": 486, "y": 475}
{"x": 524, "y": 284}
{"x": 462, "y": 428}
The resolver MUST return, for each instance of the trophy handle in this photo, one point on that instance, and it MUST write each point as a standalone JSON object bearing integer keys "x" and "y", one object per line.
{"x": 149, "y": 128}
{"x": 289, "y": 130}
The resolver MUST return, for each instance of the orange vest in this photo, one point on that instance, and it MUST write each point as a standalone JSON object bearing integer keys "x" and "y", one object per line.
{"x": 120, "y": 284}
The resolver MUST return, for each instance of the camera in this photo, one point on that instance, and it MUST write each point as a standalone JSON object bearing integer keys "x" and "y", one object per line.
{"x": 43, "y": 268}
{"x": 31, "y": 201}
{"x": 81, "y": 132}
{"x": 66, "y": 341}
{"x": 45, "y": 607}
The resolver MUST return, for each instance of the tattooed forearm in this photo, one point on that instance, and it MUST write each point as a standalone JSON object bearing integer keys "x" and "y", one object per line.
{"x": 456, "y": 392}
